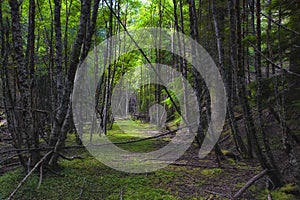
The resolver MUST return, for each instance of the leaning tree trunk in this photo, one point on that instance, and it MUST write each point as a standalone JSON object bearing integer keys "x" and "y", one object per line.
{"x": 58, "y": 134}
{"x": 250, "y": 125}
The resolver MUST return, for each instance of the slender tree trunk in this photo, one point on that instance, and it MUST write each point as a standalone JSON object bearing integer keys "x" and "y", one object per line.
{"x": 288, "y": 144}
{"x": 57, "y": 136}
{"x": 268, "y": 38}
{"x": 295, "y": 40}
{"x": 251, "y": 131}
{"x": 219, "y": 29}
{"x": 6, "y": 91}
{"x": 196, "y": 76}
{"x": 236, "y": 59}
{"x": 260, "y": 123}
{"x": 59, "y": 49}
{"x": 108, "y": 84}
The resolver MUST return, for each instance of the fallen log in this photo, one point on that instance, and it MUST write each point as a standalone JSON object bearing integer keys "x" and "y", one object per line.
{"x": 249, "y": 183}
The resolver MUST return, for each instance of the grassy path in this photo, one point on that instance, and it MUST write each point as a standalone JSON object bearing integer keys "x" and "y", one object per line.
{"x": 90, "y": 179}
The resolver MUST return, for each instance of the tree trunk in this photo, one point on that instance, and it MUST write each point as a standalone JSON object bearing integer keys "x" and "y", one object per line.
{"x": 59, "y": 48}
{"x": 24, "y": 81}
{"x": 219, "y": 29}
{"x": 250, "y": 125}
{"x": 196, "y": 76}
{"x": 260, "y": 123}
{"x": 57, "y": 136}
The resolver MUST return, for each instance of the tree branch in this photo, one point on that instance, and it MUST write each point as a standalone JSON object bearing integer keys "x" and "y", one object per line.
{"x": 23, "y": 109}
{"x": 249, "y": 183}
{"x": 69, "y": 158}
{"x": 28, "y": 175}
{"x": 279, "y": 24}
{"x": 79, "y": 147}
{"x": 276, "y": 65}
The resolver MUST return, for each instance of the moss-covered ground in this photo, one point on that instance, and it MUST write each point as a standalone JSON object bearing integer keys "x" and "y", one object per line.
{"x": 87, "y": 178}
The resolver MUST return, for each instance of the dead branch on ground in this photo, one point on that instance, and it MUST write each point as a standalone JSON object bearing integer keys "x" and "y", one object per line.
{"x": 28, "y": 175}
{"x": 249, "y": 183}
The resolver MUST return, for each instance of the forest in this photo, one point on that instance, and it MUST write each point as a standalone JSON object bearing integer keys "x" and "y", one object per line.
{"x": 140, "y": 99}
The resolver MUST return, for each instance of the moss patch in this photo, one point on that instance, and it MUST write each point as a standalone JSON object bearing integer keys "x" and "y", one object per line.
{"x": 212, "y": 172}
{"x": 88, "y": 179}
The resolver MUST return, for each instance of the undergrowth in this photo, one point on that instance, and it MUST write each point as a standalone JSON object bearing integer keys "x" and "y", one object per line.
{"x": 89, "y": 179}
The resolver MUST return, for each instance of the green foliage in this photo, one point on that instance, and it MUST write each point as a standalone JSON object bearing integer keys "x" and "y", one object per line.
{"x": 249, "y": 39}
{"x": 170, "y": 108}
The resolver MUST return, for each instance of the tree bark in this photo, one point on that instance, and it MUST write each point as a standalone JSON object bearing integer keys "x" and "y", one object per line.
{"x": 196, "y": 76}
{"x": 260, "y": 123}
{"x": 24, "y": 83}
{"x": 59, "y": 49}
{"x": 57, "y": 136}
{"x": 219, "y": 30}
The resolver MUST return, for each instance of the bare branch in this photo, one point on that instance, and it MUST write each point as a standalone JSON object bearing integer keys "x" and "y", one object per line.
{"x": 28, "y": 175}
{"x": 270, "y": 61}
{"x": 279, "y": 24}
{"x": 9, "y": 158}
{"x": 22, "y": 109}
{"x": 41, "y": 177}
{"x": 249, "y": 183}
{"x": 71, "y": 158}
{"x": 79, "y": 147}
{"x": 217, "y": 193}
